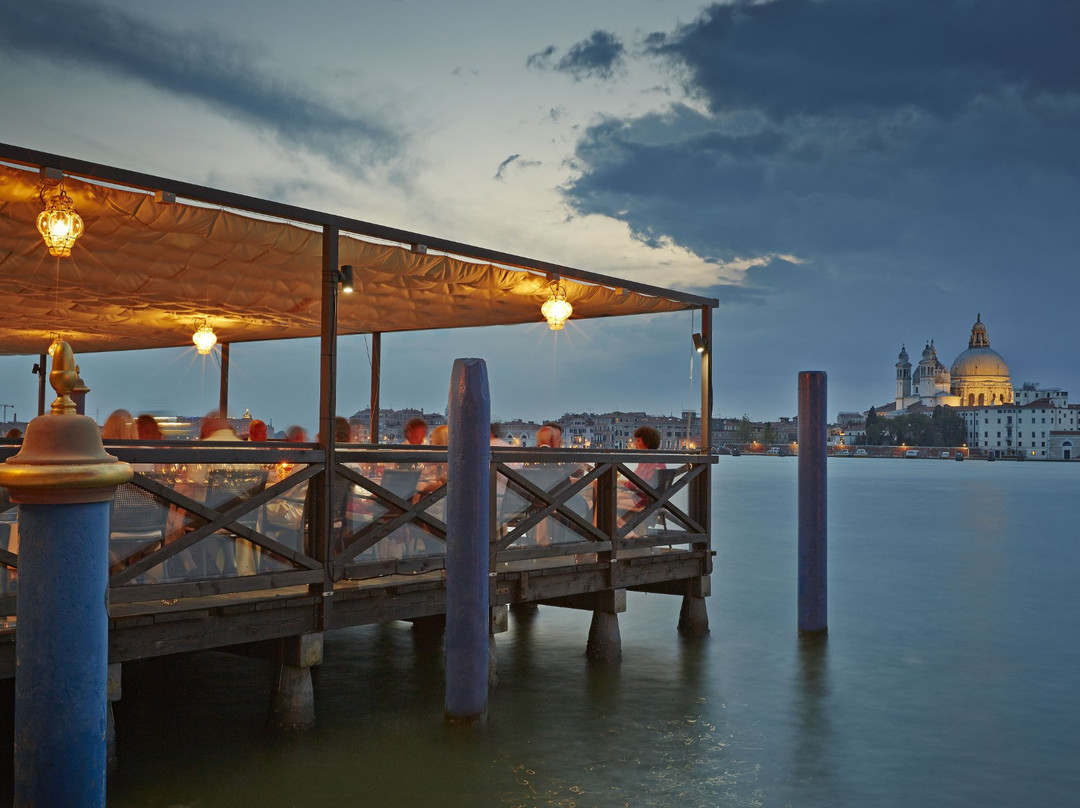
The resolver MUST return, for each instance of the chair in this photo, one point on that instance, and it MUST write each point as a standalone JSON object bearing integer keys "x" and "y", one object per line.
{"x": 517, "y": 505}
{"x": 226, "y": 489}
{"x": 136, "y": 520}
{"x": 401, "y": 483}
{"x": 664, "y": 479}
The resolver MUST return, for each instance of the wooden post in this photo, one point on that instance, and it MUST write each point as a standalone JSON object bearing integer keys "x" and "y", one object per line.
{"x": 322, "y": 485}
{"x": 693, "y": 614}
{"x": 813, "y": 569}
{"x": 467, "y": 542}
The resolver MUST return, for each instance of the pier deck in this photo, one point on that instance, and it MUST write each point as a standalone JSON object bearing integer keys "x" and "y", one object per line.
{"x": 558, "y": 536}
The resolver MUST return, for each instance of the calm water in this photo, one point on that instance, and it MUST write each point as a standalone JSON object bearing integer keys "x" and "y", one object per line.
{"x": 947, "y": 678}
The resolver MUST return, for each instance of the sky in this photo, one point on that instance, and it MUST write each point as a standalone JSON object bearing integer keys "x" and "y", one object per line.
{"x": 844, "y": 176}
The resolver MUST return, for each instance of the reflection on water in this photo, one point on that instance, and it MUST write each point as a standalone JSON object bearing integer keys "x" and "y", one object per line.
{"x": 946, "y": 678}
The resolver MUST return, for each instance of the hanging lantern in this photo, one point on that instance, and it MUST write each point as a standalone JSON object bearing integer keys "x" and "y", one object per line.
{"x": 204, "y": 337}
{"x": 556, "y": 309}
{"x": 59, "y": 224}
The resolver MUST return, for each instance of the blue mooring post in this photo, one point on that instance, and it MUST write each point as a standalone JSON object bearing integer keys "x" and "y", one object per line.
{"x": 813, "y": 567}
{"x": 63, "y": 480}
{"x": 467, "y": 551}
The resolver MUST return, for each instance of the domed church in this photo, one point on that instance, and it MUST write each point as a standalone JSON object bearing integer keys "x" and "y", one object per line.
{"x": 978, "y": 377}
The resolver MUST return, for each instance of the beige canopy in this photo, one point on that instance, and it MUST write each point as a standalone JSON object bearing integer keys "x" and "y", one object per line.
{"x": 149, "y": 264}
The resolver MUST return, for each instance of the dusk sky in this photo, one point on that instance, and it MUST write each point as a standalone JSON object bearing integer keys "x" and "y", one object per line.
{"x": 844, "y": 176}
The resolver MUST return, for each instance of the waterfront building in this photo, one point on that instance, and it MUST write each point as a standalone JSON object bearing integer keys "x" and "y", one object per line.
{"x": 1033, "y": 391}
{"x": 979, "y": 376}
{"x": 1031, "y": 421}
{"x": 1022, "y": 431}
{"x": 391, "y": 423}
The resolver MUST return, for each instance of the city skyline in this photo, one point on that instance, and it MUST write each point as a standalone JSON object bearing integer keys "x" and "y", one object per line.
{"x": 837, "y": 199}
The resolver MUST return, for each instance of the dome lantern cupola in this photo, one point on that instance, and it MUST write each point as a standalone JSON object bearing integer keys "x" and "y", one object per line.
{"x": 978, "y": 334}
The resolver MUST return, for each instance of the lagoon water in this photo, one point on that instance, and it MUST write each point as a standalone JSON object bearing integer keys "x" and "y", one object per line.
{"x": 948, "y": 677}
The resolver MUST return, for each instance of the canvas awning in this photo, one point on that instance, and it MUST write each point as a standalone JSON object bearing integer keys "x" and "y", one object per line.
{"x": 145, "y": 269}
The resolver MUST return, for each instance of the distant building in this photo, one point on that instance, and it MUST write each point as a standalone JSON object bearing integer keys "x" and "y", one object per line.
{"x": 977, "y": 377}
{"x": 1027, "y": 430}
{"x": 1031, "y": 422}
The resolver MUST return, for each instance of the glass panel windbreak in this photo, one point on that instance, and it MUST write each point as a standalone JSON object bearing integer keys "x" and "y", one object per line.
{"x": 189, "y": 521}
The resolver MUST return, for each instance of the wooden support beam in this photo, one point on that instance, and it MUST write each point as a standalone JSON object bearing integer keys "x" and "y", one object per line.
{"x": 610, "y": 601}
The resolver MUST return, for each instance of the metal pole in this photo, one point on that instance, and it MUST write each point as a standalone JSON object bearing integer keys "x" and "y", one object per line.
{"x": 42, "y": 370}
{"x": 467, "y": 547}
{"x": 322, "y": 486}
{"x": 63, "y": 480}
{"x": 376, "y": 375}
{"x": 223, "y": 391}
{"x": 706, "y": 381}
{"x": 813, "y": 567}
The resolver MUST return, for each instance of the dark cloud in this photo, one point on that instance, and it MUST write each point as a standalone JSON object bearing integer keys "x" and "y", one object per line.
{"x": 793, "y": 57}
{"x": 861, "y": 173}
{"x": 599, "y": 57}
{"x": 513, "y": 159}
{"x": 918, "y": 158}
{"x": 202, "y": 65}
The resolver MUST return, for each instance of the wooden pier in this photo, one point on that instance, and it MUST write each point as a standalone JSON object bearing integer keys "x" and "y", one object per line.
{"x": 561, "y": 541}
{"x": 257, "y": 546}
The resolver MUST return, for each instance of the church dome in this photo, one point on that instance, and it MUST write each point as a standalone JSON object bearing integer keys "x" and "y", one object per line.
{"x": 979, "y": 360}
{"x": 976, "y": 362}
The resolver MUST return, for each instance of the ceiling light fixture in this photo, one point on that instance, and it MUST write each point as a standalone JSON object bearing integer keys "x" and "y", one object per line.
{"x": 59, "y": 224}
{"x": 204, "y": 337}
{"x": 556, "y": 309}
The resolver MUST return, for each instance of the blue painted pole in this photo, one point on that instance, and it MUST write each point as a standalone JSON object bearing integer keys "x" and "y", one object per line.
{"x": 813, "y": 567}
{"x": 467, "y": 542}
{"x": 61, "y": 652}
{"x": 63, "y": 480}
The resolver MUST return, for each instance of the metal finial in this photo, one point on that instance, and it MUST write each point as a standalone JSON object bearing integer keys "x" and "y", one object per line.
{"x": 64, "y": 377}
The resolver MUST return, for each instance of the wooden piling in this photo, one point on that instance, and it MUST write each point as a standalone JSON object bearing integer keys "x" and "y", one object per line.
{"x": 813, "y": 568}
{"x": 467, "y": 552}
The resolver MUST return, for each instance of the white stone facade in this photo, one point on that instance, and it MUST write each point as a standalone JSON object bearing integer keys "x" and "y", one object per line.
{"x": 1013, "y": 431}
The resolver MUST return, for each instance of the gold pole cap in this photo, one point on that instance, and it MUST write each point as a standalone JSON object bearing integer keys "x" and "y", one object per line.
{"x": 62, "y": 459}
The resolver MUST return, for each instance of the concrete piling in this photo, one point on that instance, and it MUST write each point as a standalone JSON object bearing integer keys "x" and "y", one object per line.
{"x": 605, "y": 641}
{"x": 292, "y": 702}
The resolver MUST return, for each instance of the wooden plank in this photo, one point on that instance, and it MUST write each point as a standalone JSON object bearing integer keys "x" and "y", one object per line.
{"x": 212, "y": 586}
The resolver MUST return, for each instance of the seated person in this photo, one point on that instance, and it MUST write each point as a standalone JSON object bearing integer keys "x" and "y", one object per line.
{"x": 631, "y": 498}
{"x": 119, "y": 426}
{"x": 256, "y": 430}
{"x": 147, "y": 428}
{"x": 433, "y": 475}
{"x": 549, "y": 435}
{"x": 495, "y": 439}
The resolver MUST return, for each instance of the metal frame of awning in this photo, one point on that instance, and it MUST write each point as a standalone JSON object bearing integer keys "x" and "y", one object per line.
{"x": 129, "y": 212}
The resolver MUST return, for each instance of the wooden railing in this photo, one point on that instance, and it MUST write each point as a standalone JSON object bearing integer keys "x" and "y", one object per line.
{"x": 387, "y": 514}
